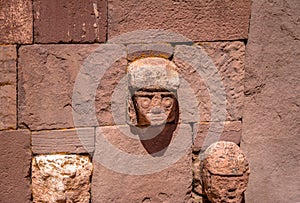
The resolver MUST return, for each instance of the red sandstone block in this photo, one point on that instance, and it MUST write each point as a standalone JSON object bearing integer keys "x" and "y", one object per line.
{"x": 63, "y": 141}
{"x": 15, "y": 161}
{"x": 8, "y": 109}
{"x": 16, "y": 22}
{"x": 197, "y": 20}
{"x": 232, "y": 131}
{"x": 69, "y": 21}
{"x": 228, "y": 59}
{"x": 171, "y": 183}
{"x": 47, "y": 74}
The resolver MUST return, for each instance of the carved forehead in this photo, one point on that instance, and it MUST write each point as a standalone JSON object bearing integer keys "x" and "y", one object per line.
{"x": 225, "y": 158}
{"x": 153, "y": 73}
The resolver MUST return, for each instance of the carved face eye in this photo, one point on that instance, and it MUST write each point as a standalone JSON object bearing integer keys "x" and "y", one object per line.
{"x": 167, "y": 102}
{"x": 145, "y": 102}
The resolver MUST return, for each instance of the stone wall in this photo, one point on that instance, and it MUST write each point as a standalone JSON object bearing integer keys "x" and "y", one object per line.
{"x": 46, "y": 43}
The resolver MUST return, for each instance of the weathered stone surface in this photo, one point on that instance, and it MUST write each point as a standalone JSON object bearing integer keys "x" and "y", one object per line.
{"x": 228, "y": 58}
{"x": 63, "y": 141}
{"x": 232, "y": 131}
{"x": 16, "y": 22}
{"x": 46, "y": 79}
{"x": 270, "y": 137}
{"x": 136, "y": 51}
{"x": 170, "y": 182}
{"x": 224, "y": 172}
{"x": 198, "y": 20}
{"x": 69, "y": 21}
{"x": 15, "y": 160}
{"x": 8, "y": 104}
{"x": 61, "y": 178}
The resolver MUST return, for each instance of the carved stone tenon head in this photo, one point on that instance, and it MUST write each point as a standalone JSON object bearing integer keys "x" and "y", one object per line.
{"x": 153, "y": 84}
{"x": 224, "y": 172}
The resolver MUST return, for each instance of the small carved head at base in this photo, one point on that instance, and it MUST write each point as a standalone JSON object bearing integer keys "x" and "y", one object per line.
{"x": 224, "y": 173}
{"x": 152, "y": 92}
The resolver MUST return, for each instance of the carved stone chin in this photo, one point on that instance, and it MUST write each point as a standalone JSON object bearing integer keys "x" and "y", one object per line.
{"x": 152, "y": 98}
{"x": 224, "y": 173}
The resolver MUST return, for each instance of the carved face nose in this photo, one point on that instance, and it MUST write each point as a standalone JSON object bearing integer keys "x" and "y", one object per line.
{"x": 156, "y": 100}
{"x": 156, "y": 110}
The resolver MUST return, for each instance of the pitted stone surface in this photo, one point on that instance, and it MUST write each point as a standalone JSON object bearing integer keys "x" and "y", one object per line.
{"x": 8, "y": 110}
{"x": 224, "y": 172}
{"x": 69, "y": 21}
{"x": 16, "y": 22}
{"x": 228, "y": 57}
{"x": 61, "y": 178}
{"x": 15, "y": 160}
{"x": 198, "y": 20}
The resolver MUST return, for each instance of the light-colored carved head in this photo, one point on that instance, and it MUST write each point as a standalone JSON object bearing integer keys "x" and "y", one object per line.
{"x": 152, "y": 99}
{"x": 224, "y": 173}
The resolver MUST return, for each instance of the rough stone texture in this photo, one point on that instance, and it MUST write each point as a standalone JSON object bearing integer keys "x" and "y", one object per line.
{"x": 271, "y": 121}
{"x": 16, "y": 22}
{"x": 136, "y": 51}
{"x": 228, "y": 57}
{"x": 70, "y": 21}
{"x": 15, "y": 160}
{"x": 198, "y": 20}
{"x": 63, "y": 141}
{"x": 61, "y": 178}
{"x": 232, "y": 132}
{"x": 224, "y": 172}
{"x": 8, "y": 109}
{"x": 172, "y": 184}
{"x": 46, "y": 80}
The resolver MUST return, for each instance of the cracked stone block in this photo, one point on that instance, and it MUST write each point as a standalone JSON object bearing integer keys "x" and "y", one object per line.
{"x": 16, "y": 22}
{"x": 15, "y": 161}
{"x": 197, "y": 20}
{"x": 69, "y": 21}
{"x": 61, "y": 178}
{"x": 8, "y": 110}
{"x": 229, "y": 61}
{"x": 139, "y": 167}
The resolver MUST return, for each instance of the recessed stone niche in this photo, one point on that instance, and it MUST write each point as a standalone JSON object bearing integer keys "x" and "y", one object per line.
{"x": 61, "y": 178}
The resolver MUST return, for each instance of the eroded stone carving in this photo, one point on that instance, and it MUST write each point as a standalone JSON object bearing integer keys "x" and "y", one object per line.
{"x": 152, "y": 99}
{"x": 61, "y": 178}
{"x": 224, "y": 172}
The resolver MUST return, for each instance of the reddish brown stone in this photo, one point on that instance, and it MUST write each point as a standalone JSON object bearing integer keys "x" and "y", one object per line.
{"x": 46, "y": 77}
{"x": 270, "y": 137}
{"x": 15, "y": 160}
{"x": 63, "y": 141}
{"x": 198, "y": 20}
{"x": 69, "y": 21}
{"x": 169, "y": 184}
{"x": 228, "y": 57}
{"x": 224, "y": 172}
{"x": 46, "y": 81}
{"x": 8, "y": 110}
{"x": 137, "y": 51}
{"x": 16, "y": 22}
{"x": 232, "y": 132}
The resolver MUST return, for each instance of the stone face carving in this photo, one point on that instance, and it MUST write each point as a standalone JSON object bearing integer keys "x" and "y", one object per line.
{"x": 152, "y": 99}
{"x": 61, "y": 178}
{"x": 224, "y": 172}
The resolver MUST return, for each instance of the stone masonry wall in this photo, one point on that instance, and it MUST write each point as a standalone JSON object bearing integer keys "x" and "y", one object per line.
{"x": 44, "y": 45}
